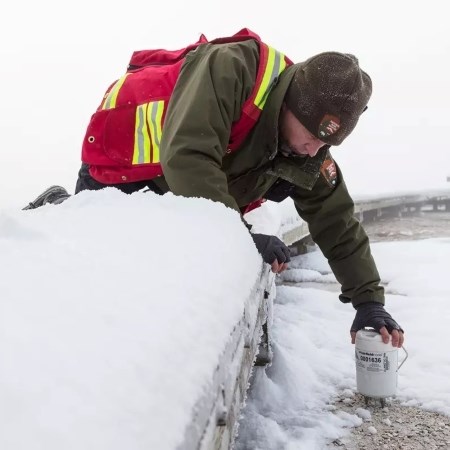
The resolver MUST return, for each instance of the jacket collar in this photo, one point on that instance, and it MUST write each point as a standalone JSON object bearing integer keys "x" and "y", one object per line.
{"x": 287, "y": 168}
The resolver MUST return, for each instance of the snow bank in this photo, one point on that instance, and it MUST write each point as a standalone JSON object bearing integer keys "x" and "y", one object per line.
{"x": 114, "y": 310}
{"x": 288, "y": 405}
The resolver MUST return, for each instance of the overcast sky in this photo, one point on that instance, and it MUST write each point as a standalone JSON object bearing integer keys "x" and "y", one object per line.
{"x": 57, "y": 59}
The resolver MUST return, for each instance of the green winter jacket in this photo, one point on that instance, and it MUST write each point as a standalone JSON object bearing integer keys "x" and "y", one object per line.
{"x": 214, "y": 83}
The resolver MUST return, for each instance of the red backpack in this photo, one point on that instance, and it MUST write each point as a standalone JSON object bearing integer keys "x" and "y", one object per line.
{"x": 122, "y": 141}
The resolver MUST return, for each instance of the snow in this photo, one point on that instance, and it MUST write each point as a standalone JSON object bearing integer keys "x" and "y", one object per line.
{"x": 85, "y": 357}
{"x": 114, "y": 310}
{"x": 365, "y": 414}
{"x": 289, "y": 404}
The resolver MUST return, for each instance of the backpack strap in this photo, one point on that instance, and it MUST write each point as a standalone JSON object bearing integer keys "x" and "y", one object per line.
{"x": 271, "y": 64}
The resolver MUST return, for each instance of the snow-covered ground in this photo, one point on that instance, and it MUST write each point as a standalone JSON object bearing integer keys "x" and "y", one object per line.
{"x": 289, "y": 404}
{"x": 115, "y": 308}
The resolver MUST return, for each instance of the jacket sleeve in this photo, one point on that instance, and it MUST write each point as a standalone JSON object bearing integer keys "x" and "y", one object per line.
{"x": 328, "y": 210}
{"x": 214, "y": 83}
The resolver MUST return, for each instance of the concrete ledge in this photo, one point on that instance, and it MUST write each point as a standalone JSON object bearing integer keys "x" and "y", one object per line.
{"x": 216, "y": 413}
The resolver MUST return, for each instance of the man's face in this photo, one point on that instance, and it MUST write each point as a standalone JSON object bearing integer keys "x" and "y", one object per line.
{"x": 295, "y": 139}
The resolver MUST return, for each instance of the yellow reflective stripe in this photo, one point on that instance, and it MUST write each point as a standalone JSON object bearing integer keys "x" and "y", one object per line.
{"x": 141, "y": 153}
{"x": 265, "y": 81}
{"x": 147, "y": 115}
{"x": 275, "y": 65}
{"x": 111, "y": 98}
{"x": 155, "y": 112}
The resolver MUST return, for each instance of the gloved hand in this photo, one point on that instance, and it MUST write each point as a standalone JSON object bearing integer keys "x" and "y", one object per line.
{"x": 374, "y": 315}
{"x": 271, "y": 248}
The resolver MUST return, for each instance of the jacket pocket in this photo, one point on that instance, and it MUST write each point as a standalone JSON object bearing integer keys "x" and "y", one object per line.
{"x": 118, "y": 134}
{"x": 126, "y": 136}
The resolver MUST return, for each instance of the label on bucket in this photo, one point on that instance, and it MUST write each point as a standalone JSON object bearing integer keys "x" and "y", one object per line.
{"x": 372, "y": 361}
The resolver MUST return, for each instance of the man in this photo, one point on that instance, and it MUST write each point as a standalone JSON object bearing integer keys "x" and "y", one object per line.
{"x": 242, "y": 123}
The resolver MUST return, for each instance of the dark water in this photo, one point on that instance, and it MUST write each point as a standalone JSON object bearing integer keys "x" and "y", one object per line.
{"x": 422, "y": 225}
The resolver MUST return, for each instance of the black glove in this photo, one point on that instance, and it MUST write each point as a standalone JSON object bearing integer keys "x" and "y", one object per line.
{"x": 271, "y": 248}
{"x": 375, "y": 316}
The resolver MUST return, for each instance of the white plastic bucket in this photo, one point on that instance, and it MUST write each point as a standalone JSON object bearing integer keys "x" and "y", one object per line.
{"x": 376, "y": 365}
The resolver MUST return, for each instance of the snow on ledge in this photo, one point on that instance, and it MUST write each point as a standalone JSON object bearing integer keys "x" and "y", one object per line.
{"x": 114, "y": 310}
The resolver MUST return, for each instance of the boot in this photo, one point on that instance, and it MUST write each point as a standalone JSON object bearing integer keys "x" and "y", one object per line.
{"x": 53, "y": 194}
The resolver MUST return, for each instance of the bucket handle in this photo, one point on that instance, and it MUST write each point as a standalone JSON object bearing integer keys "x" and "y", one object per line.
{"x": 406, "y": 357}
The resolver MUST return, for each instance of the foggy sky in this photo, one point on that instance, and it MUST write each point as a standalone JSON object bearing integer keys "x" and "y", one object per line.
{"x": 57, "y": 61}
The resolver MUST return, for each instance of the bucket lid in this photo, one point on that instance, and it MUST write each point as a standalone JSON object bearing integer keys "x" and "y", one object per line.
{"x": 370, "y": 336}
